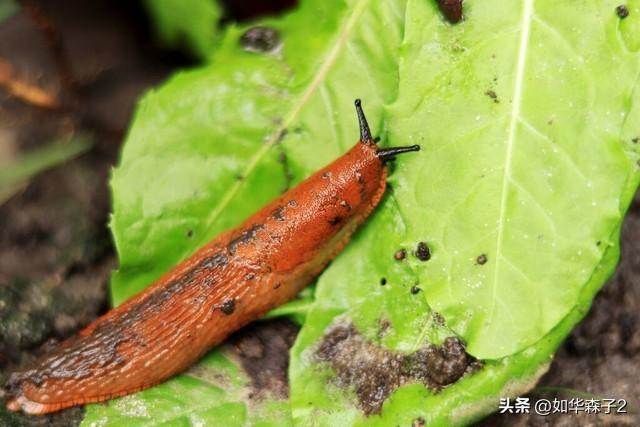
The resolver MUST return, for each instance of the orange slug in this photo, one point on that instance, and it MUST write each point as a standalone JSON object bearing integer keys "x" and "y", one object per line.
{"x": 235, "y": 279}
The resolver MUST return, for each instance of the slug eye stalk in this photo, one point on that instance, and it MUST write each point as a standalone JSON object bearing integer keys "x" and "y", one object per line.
{"x": 384, "y": 154}
{"x": 365, "y": 133}
{"x": 389, "y": 154}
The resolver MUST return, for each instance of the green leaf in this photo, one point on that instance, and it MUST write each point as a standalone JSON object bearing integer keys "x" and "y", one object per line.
{"x": 190, "y": 24}
{"x": 537, "y": 181}
{"x": 534, "y": 180}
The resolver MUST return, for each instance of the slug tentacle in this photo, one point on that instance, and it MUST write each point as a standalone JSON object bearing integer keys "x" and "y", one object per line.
{"x": 365, "y": 133}
{"x": 387, "y": 154}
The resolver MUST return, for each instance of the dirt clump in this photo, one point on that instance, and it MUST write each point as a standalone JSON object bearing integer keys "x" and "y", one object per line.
{"x": 375, "y": 372}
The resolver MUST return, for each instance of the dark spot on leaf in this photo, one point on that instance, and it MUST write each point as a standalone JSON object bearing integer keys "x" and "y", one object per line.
{"x": 418, "y": 422}
{"x": 493, "y": 95}
{"x": 383, "y": 281}
{"x": 415, "y": 289}
{"x": 228, "y": 307}
{"x": 438, "y": 318}
{"x": 622, "y": 11}
{"x": 636, "y": 139}
{"x": 423, "y": 253}
{"x": 451, "y": 9}
{"x": 384, "y": 325}
{"x": 375, "y": 372}
{"x": 598, "y": 243}
{"x": 482, "y": 259}
{"x": 260, "y": 39}
{"x": 400, "y": 254}
{"x": 281, "y": 135}
{"x": 189, "y": 233}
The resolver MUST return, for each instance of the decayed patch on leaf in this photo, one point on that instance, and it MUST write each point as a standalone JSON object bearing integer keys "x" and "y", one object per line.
{"x": 375, "y": 372}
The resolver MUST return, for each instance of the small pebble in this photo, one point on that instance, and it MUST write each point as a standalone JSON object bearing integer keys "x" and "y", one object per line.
{"x": 400, "y": 254}
{"x": 423, "y": 253}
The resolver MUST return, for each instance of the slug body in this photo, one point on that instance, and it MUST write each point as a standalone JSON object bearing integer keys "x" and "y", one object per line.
{"x": 236, "y": 278}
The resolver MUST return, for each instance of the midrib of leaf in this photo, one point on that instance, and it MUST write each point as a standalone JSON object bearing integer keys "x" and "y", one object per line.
{"x": 297, "y": 107}
{"x": 527, "y": 14}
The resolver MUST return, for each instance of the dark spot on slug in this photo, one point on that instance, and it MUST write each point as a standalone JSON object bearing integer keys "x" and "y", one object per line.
{"x": 278, "y": 213}
{"x": 415, "y": 289}
{"x": 423, "y": 253}
{"x": 345, "y": 205}
{"x": 326, "y": 175}
{"x": 622, "y": 11}
{"x": 228, "y": 307}
{"x": 260, "y": 39}
{"x": 335, "y": 220}
{"x": 400, "y": 254}
{"x": 383, "y": 281}
{"x": 249, "y": 276}
{"x": 493, "y": 95}
{"x": 375, "y": 372}
{"x": 451, "y": 9}
{"x": 277, "y": 285}
{"x": 482, "y": 259}
{"x": 418, "y": 422}
{"x": 292, "y": 203}
{"x": 217, "y": 260}
{"x": 244, "y": 238}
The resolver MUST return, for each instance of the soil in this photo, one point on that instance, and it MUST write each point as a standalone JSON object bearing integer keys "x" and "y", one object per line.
{"x": 263, "y": 349}
{"x": 375, "y": 372}
{"x": 56, "y": 254}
